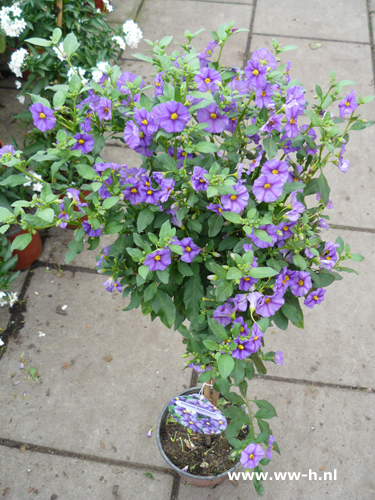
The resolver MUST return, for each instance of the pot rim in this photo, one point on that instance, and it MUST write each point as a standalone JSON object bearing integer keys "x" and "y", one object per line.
{"x": 191, "y": 390}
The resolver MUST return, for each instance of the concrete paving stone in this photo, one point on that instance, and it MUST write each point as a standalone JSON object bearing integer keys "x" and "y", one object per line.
{"x": 174, "y": 17}
{"x": 319, "y": 18}
{"x": 121, "y": 155}
{"x": 311, "y": 67}
{"x": 36, "y": 475}
{"x": 104, "y": 374}
{"x": 335, "y": 345}
{"x": 122, "y": 11}
{"x": 317, "y": 429}
{"x": 10, "y": 106}
{"x": 56, "y": 246}
{"x": 6, "y": 311}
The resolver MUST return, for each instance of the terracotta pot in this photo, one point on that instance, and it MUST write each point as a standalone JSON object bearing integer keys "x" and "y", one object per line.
{"x": 201, "y": 481}
{"x": 1, "y": 145}
{"x": 30, "y": 254}
{"x": 100, "y": 5}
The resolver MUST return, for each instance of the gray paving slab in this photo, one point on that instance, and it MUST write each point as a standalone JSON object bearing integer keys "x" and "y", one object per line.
{"x": 316, "y": 428}
{"x": 10, "y": 106}
{"x": 337, "y": 20}
{"x": 56, "y": 246}
{"x": 35, "y": 475}
{"x": 5, "y": 311}
{"x": 120, "y": 155}
{"x": 335, "y": 345}
{"x": 350, "y": 61}
{"x": 174, "y": 17}
{"x": 104, "y": 374}
{"x": 122, "y": 11}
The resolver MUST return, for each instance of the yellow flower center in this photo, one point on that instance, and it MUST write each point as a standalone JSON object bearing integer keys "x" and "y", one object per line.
{"x": 347, "y": 103}
{"x": 255, "y": 338}
{"x": 188, "y": 249}
{"x": 267, "y": 186}
{"x": 255, "y": 72}
{"x": 145, "y": 122}
{"x": 107, "y": 111}
{"x": 275, "y": 171}
{"x": 147, "y": 183}
{"x": 219, "y": 210}
{"x": 42, "y": 115}
{"x": 251, "y": 456}
{"x": 63, "y": 212}
{"x": 246, "y": 278}
{"x": 292, "y": 121}
{"x": 207, "y": 80}
{"x": 157, "y": 257}
{"x": 141, "y": 135}
{"x": 286, "y": 279}
{"x": 296, "y": 178}
{"x": 115, "y": 284}
{"x": 149, "y": 191}
{"x": 233, "y": 197}
{"x": 263, "y": 93}
{"x": 183, "y": 153}
{"x": 157, "y": 84}
{"x": 134, "y": 190}
{"x": 328, "y": 258}
{"x": 242, "y": 329}
{"x": 267, "y": 301}
{"x": 213, "y": 116}
{"x": 316, "y": 297}
{"x": 81, "y": 141}
{"x": 174, "y": 116}
{"x": 201, "y": 180}
{"x": 285, "y": 228}
{"x": 300, "y": 282}
{"x": 240, "y": 347}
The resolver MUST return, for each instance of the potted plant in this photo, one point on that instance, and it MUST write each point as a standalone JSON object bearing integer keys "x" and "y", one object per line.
{"x": 220, "y": 229}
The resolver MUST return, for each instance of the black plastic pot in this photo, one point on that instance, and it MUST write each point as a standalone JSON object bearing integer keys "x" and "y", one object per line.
{"x": 201, "y": 481}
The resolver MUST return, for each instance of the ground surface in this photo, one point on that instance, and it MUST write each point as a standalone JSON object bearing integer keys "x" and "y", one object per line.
{"x": 79, "y": 432}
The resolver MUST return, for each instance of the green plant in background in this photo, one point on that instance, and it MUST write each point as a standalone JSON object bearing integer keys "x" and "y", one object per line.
{"x": 7, "y": 263}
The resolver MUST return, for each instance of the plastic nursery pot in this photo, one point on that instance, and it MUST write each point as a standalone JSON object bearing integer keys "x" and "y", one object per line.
{"x": 30, "y": 254}
{"x": 201, "y": 481}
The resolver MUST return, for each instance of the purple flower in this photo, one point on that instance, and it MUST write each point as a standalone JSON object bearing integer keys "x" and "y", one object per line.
{"x": 244, "y": 330}
{"x": 287, "y": 71}
{"x": 104, "y": 109}
{"x": 199, "y": 368}
{"x": 8, "y": 149}
{"x": 180, "y": 156}
{"x": 173, "y": 117}
{"x": 243, "y": 349}
{"x": 315, "y": 298}
{"x": 256, "y": 161}
{"x": 256, "y": 74}
{"x": 191, "y": 422}
{"x": 63, "y": 216}
{"x": 283, "y": 280}
{"x": 246, "y": 283}
{"x": 268, "y": 188}
{"x": 279, "y": 358}
{"x": 43, "y": 117}
{"x": 270, "y": 230}
{"x": 102, "y": 256}
{"x": 297, "y": 208}
{"x": 343, "y": 164}
{"x": 240, "y": 301}
{"x": 206, "y": 80}
{"x": 158, "y": 260}
{"x": 111, "y": 285}
{"x": 296, "y": 95}
{"x": 132, "y": 135}
{"x": 300, "y": 284}
{"x": 206, "y": 54}
{"x": 198, "y": 181}
{"x": 329, "y": 255}
{"x": 126, "y": 77}
{"x": 270, "y": 304}
{"x": 251, "y": 455}
{"x": 159, "y": 84}
{"x": 149, "y": 434}
{"x": 236, "y": 202}
{"x": 276, "y": 167}
{"x": 190, "y": 249}
{"x": 273, "y": 123}
{"x": 145, "y": 121}
{"x": 291, "y": 126}
{"x": 270, "y": 445}
{"x": 218, "y": 209}
{"x": 346, "y": 106}
{"x": 263, "y": 96}
{"x": 92, "y": 233}
{"x": 313, "y": 136}
{"x": 265, "y": 58}
{"x": 216, "y": 122}
{"x": 224, "y": 314}
{"x": 255, "y": 340}
{"x": 85, "y": 143}
{"x": 86, "y": 125}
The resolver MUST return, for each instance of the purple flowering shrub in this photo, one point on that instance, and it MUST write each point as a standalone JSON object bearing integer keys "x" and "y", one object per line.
{"x": 222, "y": 223}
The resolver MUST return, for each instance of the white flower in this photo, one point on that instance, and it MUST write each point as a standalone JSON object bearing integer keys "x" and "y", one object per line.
{"x": 62, "y": 56}
{"x": 8, "y": 299}
{"x": 37, "y": 186}
{"x": 103, "y": 67}
{"x": 96, "y": 75}
{"x": 120, "y": 41}
{"x": 17, "y": 61}
{"x": 10, "y": 22}
{"x": 133, "y": 35}
{"x": 12, "y": 296}
{"x": 80, "y": 71}
{"x": 108, "y": 5}
{"x": 1, "y": 342}
{"x": 18, "y": 84}
{"x": 21, "y": 98}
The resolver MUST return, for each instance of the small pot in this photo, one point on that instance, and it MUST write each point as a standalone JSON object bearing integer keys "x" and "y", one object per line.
{"x": 100, "y": 5}
{"x": 201, "y": 481}
{"x": 30, "y": 254}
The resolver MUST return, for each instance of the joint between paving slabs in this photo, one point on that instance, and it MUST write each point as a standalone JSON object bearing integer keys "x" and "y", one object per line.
{"x": 299, "y": 37}
{"x": 371, "y": 38}
{"x": 246, "y": 56}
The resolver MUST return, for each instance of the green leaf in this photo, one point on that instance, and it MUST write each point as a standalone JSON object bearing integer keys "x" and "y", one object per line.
{"x": 75, "y": 84}
{"x": 299, "y": 261}
{"x": 315, "y": 120}
{"x": 262, "y": 235}
{"x": 144, "y": 219}
{"x": 163, "y": 276}
{"x": 46, "y": 214}
{"x": 14, "y": 180}
{"x": 193, "y": 293}
{"x": 70, "y": 44}
{"x": 110, "y": 202}
{"x": 217, "y": 269}
{"x": 323, "y": 188}
{"x": 39, "y": 41}
{"x": 356, "y": 257}
{"x": 238, "y": 372}
{"x": 258, "y": 363}
{"x": 280, "y": 320}
{"x": 215, "y": 223}
{"x": 150, "y": 291}
{"x": 33, "y": 373}
{"x": 251, "y": 130}
{"x": 185, "y": 269}
{"x": 211, "y": 345}
{"x": 311, "y": 187}
{"x": 292, "y": 310}
{"x": 206, "y": 147}
{"x": 265, "y": 405}
{"x": 225, "y": 365}
{"x": 286, "y": 49}
{"x": 223, "y": 291}
{"x": 235, "y": 398}
{"x": 360, "y": 125}
{"x": 164, "y": 307}
{"x": 270, "y": 147}
{"x": 143, "y": 271}
{"x": 232, "y": 217}
{"x": 234, "y": 274}
{"x": 21, "y": 241}
{"x": 262, "y": 272}
{"x": 86, "y": 171}
{"x": 217, "y": 329}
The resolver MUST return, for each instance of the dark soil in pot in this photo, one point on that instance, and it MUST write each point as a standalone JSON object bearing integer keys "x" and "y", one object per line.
{"x": 202, "y": 460}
